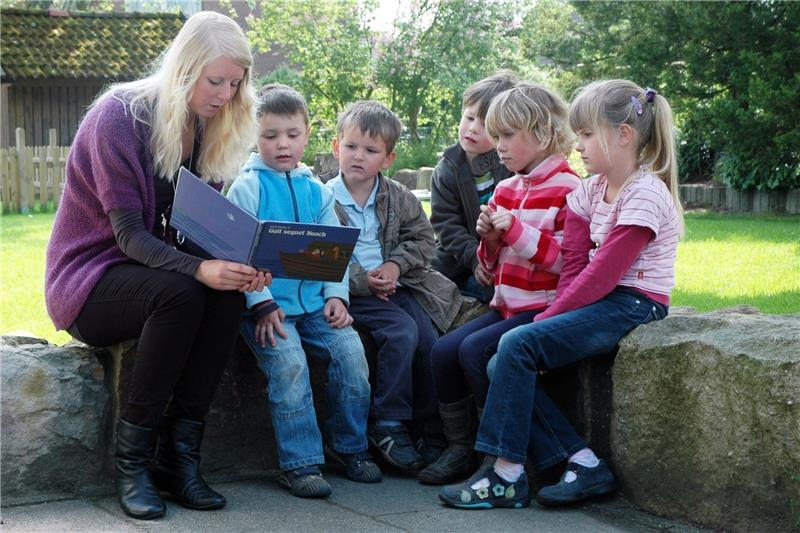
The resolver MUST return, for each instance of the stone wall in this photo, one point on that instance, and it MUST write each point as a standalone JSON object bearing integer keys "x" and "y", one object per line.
{"x": 706, "y": 418}
{"x": 699, "y": 415}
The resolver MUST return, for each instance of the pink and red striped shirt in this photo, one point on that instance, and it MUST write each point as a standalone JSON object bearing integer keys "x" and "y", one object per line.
{"x": 528, "y": 261}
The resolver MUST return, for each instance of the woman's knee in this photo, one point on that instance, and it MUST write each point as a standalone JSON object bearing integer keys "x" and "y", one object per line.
{"x": 182, "y": 293}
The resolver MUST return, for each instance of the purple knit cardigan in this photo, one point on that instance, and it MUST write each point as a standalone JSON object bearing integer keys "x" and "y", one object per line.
{"x": 109, "y": 167}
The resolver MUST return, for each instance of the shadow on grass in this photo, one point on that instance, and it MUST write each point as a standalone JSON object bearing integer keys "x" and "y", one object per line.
{"x": 786, "y": 302}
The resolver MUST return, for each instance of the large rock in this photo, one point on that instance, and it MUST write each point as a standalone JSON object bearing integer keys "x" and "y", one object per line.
{"x": 407, "y": 177}
{"x": 424, "y": 175}
{"x": 60, "y": 405}
{"x": 702, "y": 421}
{"x": 706, "y": 421}
{"x": 238, "y": 439}
{"x": 55, "y": 406}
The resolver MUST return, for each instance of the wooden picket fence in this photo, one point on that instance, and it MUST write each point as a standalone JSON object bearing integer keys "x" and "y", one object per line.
{"x": 32, "y": 177}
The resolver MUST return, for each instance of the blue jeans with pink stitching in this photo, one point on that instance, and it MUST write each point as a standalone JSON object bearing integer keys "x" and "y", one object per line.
{"x": 519, "y": 420}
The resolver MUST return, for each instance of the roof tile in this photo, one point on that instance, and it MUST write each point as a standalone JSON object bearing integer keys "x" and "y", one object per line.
{"x": 114, "y": 46}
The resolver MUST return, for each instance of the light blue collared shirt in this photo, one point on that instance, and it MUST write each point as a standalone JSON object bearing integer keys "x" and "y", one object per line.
{"x": 367, "y": 252}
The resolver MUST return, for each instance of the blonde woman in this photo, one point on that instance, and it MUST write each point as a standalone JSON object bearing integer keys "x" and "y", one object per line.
{"x": 116, "y": 271}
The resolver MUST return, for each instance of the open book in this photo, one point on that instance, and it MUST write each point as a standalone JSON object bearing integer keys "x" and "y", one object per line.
{"x": 287, "y": 249}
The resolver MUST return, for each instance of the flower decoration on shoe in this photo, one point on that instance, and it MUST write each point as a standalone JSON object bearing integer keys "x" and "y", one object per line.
{"x": 486, "y": 490}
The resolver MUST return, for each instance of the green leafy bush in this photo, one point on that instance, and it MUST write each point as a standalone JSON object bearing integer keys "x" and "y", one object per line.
{"x": 415, "y": 154}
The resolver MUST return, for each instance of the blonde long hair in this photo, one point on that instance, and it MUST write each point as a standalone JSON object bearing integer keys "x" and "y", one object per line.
{"x": 610, "y": 103}
{"x": 161, "y": 100}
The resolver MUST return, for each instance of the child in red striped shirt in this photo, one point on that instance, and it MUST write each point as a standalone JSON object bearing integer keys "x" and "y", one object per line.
{"x": 521, "y": 230}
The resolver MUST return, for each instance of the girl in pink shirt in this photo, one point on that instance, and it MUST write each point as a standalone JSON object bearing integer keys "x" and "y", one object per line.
{"x": 620, "y": 238}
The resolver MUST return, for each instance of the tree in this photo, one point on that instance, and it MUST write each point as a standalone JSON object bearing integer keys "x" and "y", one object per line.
{"x": 432, "y": 52}
{"x": 729, "y": 69}
{"x": 437, "y": 50}
{"x": 329, "y": 44}
{"x": 66, "y": 5}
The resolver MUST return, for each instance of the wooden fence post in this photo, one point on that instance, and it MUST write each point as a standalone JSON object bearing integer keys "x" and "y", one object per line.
{"x": 24, "y": 174}
{"x": 50, "y": 178}
{"x": 59, "y": 157}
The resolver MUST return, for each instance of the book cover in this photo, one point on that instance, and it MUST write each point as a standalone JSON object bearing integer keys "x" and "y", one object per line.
{"x": 287, "y": 249}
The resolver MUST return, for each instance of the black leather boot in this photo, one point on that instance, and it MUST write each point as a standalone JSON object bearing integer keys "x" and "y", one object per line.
{"x": 177, "y": 468}
{"x": 458, "y": 461}
{"x": 137, "y": 494}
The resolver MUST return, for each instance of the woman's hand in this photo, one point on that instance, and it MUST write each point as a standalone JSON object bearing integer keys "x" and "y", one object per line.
{"x": 229, "y": 276}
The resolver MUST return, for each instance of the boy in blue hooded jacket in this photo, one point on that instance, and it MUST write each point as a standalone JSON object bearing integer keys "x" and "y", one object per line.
{"x": 295, "y": 316}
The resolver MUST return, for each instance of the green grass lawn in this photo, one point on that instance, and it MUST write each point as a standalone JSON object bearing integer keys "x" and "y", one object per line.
{"x": 724, "y": 260}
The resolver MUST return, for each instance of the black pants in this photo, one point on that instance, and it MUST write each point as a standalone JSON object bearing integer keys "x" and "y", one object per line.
{"x": 186, "y": 332}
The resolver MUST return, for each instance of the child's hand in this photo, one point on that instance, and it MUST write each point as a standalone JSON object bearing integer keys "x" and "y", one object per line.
{"x": 382, "y": 281}
{"x": 336, "y": 313}
{"x": 483, "y": 276}
{"x": 267, "y": 325}
{"x": 485, "y": 226}
{"x": 502, "y": 220}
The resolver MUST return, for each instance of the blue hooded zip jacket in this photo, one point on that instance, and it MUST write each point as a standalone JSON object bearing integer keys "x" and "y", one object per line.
{"x": 295, "y": 196}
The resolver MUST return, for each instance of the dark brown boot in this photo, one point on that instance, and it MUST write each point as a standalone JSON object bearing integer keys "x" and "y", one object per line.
{"x": 458, "y": 461}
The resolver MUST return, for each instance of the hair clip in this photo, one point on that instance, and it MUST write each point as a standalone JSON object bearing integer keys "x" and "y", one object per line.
{"x": 650, "y": 94}
{"x": 637, "y": 105}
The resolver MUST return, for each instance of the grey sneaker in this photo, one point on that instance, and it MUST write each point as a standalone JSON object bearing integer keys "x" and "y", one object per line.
{"x": 357, "y": 466}
{"x": 306, "y": 482}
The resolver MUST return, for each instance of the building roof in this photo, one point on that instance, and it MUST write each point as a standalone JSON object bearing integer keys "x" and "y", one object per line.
{"x": 39, "y": 44}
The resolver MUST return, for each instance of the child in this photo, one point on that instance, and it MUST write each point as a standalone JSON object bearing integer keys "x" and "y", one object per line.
{"x": 620, "y": 242}
{"x": 521, "y": 231}
{"x": 462, "y": 181}
{"x": 302, "y": 314}
{"x": 394, "y": 294}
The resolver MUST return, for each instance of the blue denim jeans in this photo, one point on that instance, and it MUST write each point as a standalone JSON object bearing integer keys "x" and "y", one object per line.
{"x": 519, "y": 420}
{"x": 289, "y": 388}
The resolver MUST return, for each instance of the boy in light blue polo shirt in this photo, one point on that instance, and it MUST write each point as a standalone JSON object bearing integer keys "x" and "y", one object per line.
{"x": 394, "y": 294}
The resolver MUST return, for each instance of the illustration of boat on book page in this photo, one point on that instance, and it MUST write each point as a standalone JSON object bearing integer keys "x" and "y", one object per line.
{"x": 306, "y": 251}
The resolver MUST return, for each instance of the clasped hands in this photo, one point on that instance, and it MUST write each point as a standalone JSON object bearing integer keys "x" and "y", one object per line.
{"x": 492, "y": 224}
{"x": 382, "y": 281}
